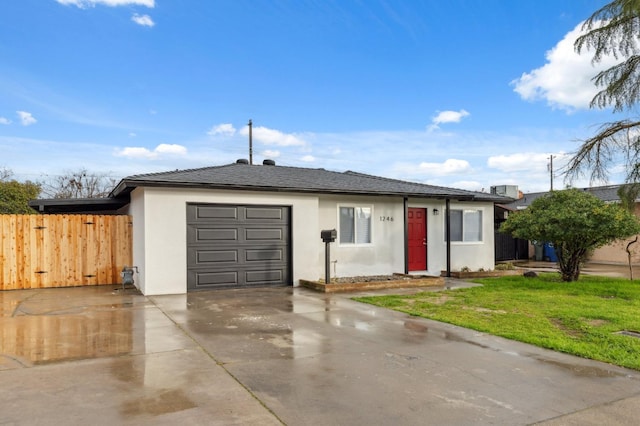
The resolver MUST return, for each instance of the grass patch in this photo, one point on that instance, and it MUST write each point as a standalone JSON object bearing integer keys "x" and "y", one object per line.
{"x": 579, "y": 318}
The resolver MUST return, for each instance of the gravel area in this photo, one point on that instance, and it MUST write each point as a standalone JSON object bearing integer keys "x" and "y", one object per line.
{"x": 372, "y": 278}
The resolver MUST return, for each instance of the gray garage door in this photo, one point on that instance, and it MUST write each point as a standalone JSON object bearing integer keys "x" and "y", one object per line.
{"x": 237, "y": 246}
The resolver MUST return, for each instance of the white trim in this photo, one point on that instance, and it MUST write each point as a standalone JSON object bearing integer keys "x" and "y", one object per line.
{"x": 371, "y": 227}
{"x": 463, "y": 242}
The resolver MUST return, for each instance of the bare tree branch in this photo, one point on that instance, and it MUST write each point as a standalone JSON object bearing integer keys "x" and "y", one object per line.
{"x": 79, "y": 184}
{"x": 5, "y": 174}
{"x": 597, "y": 154}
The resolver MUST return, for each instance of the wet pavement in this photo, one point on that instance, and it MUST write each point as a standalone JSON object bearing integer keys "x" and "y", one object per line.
{"x": 101, "y": 355}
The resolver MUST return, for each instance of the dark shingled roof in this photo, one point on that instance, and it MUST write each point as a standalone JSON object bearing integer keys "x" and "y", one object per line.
{"x": 294, "y": 179}
{"x": 607, "y": 194}
{"x": 78, "y": 205}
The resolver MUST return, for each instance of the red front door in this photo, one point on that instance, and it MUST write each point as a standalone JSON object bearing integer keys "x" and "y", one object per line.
{"x": 417, "y": 229}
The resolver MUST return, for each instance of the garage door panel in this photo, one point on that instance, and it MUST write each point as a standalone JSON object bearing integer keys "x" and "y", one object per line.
{"x": 261, "y": 213}
{"x": 199, "y": 233}
{"x": 235, "y": 257}
{"x": 206, "y": 259}
{"x": 264, "y": 234}
{"x": 236, "y": 246}
{"x": 269, "y": 276}
{"x": 215, "y": 212}
{"x": 205, "y": 234}
{"x": 216, "y": 279}
{"x": 265, "y": 254}
{"x": 215, "y": 256}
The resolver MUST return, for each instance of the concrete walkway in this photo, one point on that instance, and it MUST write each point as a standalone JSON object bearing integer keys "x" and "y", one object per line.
{"x": 101, "y": 355}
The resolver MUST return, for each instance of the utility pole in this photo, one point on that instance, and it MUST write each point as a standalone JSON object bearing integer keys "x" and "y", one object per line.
{"x": 551, "y": 169}
{"x": 250, "y": 142}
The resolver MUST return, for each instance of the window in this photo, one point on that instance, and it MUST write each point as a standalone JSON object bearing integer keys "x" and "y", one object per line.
{"x": 466, "y": 225}
{"x": 355, "y": 225}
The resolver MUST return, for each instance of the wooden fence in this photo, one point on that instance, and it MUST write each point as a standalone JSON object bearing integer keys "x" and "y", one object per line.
{"x": 41, "y": 251}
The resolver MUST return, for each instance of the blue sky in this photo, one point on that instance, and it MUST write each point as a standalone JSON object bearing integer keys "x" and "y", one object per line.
{"x": 465, "y": 94}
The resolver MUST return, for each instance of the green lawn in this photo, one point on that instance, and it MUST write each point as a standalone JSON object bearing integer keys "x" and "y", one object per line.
{"x": 579, "y": 318}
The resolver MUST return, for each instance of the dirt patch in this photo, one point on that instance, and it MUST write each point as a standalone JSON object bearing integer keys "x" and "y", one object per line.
{"x": 373, "y": 282}
{"x": 597, "y": 322}
{"x": 440, "y": 300}
{"x": 568, "y": 331}
{"x": 485, "y": 310}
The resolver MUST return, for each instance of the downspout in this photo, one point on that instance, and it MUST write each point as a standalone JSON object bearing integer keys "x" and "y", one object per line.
{"x": 406, "y": 234}
{"x": 447, "y": 221}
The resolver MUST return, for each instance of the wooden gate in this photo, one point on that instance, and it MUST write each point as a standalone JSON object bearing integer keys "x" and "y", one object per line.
{"x": 41, "y": 251}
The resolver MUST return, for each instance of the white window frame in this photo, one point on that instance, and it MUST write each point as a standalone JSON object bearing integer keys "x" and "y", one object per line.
{"x": 463, "y": 241}
{"x": 354, "y": 207}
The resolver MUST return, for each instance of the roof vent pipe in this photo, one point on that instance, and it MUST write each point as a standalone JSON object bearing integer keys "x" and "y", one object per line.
{"x": 268, "y": 163}
{"x": 242, "y": 161}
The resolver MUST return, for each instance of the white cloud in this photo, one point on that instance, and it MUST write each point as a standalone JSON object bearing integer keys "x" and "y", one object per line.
{"x": 447, "y": 117}
{"x": 26, "y": 118}
{"x": 525, "y": 161}
{"x": 144, "y": 20}
{"x": 308, "y": 159}
{"x": 271, "y": 154}
{"x": 4, "y": 120}
{"x": 413, "y": 171}
{"x": 565, "y": 80}
{"x": 273, "y": 137}
{"x": 145, "y": 153}
{"x": 449, "y": 167}
{"x": 132, "y": 135}
{"x": 224, "y": 129}
{"x": 134, "y": 152}
{"x": 469, "y": 185}
{"x": 173, "y": 149}
{"x": 112, "y": 3}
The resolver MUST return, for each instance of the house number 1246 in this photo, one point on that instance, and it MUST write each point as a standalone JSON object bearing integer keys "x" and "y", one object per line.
{"x": 386, "y": 218}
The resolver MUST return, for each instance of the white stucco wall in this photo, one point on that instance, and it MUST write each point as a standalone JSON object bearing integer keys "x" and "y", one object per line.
{"x": 160, "y": 232}
{"x": 159, "y": 235}
{"x": 385, "y": 254}
{"x": 136, "y": 210}
{"x": 474, "y": 255}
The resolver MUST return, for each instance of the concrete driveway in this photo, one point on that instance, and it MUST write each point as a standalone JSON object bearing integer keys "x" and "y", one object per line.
{"x": 100, "y": 355}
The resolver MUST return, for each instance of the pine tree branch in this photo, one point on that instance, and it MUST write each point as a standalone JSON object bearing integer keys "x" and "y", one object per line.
{"x": 597, "y": 152}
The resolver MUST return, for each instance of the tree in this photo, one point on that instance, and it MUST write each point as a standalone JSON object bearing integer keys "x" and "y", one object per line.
{"x": 628, "y": 195}
{"x": 576, "y": 222}
{"x": 613, "y": 30}
{"x": 79, "y": 184}
{"x": 15, "y": 196}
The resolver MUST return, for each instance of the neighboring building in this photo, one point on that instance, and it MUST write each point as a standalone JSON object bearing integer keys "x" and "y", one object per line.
{"x": 510, "y": 191}
{"x": 612, "y": 253}
{"x": 242, "y": 225}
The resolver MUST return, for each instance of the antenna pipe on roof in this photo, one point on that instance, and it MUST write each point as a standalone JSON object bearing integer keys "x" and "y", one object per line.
{"x": 250, "y": 142}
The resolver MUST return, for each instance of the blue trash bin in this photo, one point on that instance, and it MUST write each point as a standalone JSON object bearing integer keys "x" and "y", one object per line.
{"x": 550, "y": 252}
